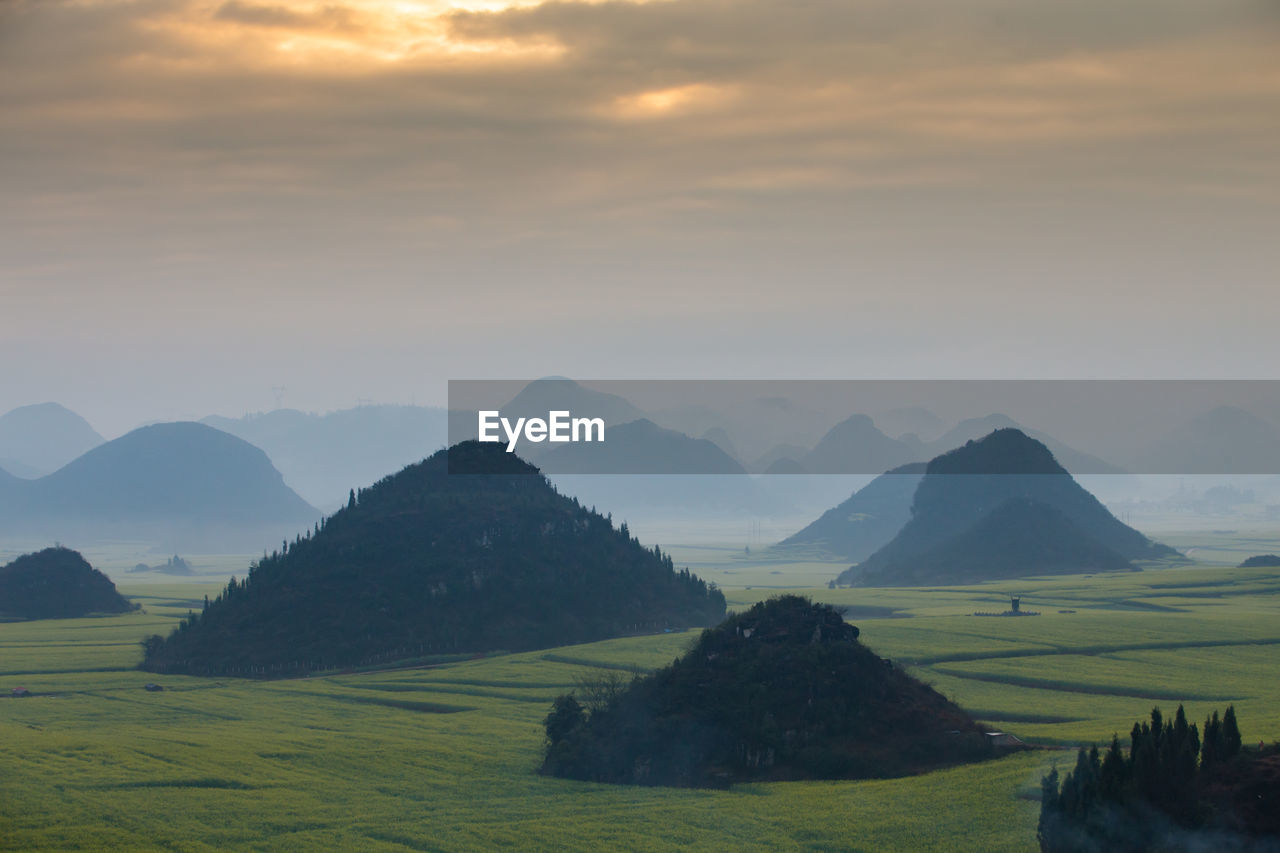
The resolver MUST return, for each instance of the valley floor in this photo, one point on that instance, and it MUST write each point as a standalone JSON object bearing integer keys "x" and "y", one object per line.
{"x": 443, "y": 758}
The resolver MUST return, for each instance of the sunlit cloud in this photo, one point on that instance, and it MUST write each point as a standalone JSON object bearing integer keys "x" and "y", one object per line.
{"x": 176, "y": 132}
{"x": 355, "y": 36}
{"x": 675, "y": 100}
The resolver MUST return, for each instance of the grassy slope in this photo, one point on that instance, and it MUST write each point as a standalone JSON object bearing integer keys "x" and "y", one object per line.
{"x": 443, "y": 758}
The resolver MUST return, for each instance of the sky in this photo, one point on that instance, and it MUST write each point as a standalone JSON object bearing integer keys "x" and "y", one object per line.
{"x": 205, "y": 202}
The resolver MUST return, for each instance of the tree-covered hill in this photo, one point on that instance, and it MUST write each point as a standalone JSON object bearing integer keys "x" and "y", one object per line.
{"x": 783, "y": 690}
{"x": 965, "y": 486}
{"x": 470, "y": 550}
{"x": 1017, "y": 538}
{"x": 56, "y": 583}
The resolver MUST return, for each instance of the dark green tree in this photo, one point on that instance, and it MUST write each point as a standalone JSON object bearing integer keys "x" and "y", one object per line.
{"x": 566, "y": 715}
{"x": 1114, "y": 773}
{"x": 1047, "y": 831}
{"x": 1211, "y": 751}
{"x": 1231, "y": 738}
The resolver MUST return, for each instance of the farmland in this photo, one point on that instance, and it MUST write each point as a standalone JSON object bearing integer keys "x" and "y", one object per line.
{"x": 443, "y": 758}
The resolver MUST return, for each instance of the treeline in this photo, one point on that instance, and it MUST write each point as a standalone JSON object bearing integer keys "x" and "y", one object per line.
{"x": 1173, "y": 790}
{"x": 471, "y": 550}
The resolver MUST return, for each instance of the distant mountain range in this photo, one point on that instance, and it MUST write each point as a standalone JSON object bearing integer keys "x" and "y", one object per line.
{"x": 857, "y": 445}
{"x": 755, "y": 425}
{"x": 37, "y": 440}
{"x": 178, "y": 482}
{"x": 323, "y": 457}
{"x": 771, "y": 434}
{"x": 1005, "y": 503}
{"x": 543, "y": 395}
{"x": 470, "y": 550}
{"x": 641, "y": 447}
{"x": 911, "y": 420}
{"x": 1224, "y": 440}
{"x": 646, "y": 472}
{"x": 720, "y": 438}
{"x": 780, "y": 459}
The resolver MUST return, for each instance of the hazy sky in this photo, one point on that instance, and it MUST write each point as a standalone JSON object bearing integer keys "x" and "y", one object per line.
{"x": 359, "y": 200}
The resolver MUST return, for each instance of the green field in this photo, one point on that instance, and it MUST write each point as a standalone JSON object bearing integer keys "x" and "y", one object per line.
{"x": 443, "y": 758}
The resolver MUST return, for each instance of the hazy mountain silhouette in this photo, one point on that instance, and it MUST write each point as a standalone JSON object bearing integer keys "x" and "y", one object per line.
{"x": 1261, "y": 560}
{"x": 1075, "y": 461}
{"x": 556, "y": 393}
{"x": 56, "y": 583}
{"x": 789, "y": 453}
{"x": 1224, "y": 440}
{"x": 911, "y": 420}
{"x": 181, "y": 469}
{"x": 757, "y": 424}
{"x": 964, "y": 486}
{"x": 157, "y": 480}
{"x": 36, "y": 440}
{"x": 856, "y": 446}
{"x": 868, "y": 519}
{"x": 640, "y": 447}
{"x": 781, "y": 691}
{"x": 720, "y": 438}
{"x": 22, "y": 471}
{"x": 646, "y": 473}
{"x": 785, "y": 466}
{"x": 322, "y": 457}
{"x": 470, "y": 550}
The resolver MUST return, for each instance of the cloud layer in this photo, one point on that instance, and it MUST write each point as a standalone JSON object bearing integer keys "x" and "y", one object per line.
{"x": 788, "y": 160}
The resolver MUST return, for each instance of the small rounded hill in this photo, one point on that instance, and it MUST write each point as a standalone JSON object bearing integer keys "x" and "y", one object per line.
{"x": 783, "y": 690}
{"x": 56, "y": 583}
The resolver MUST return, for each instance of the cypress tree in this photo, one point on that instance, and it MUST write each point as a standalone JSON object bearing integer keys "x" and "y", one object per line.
{"x": 1231, "y": 738}
{"x": 1114, "y": 772}
{"x": 1211, "y": 751}
{"x": 1145, "y": 760}
{"x": 1047, "y": 830}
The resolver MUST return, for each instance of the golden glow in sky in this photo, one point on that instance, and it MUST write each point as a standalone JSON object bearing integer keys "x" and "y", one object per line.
{"x": 331, "y": 37}
{"x": 915, "y": 176}
{"x": 677, "y": 99}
